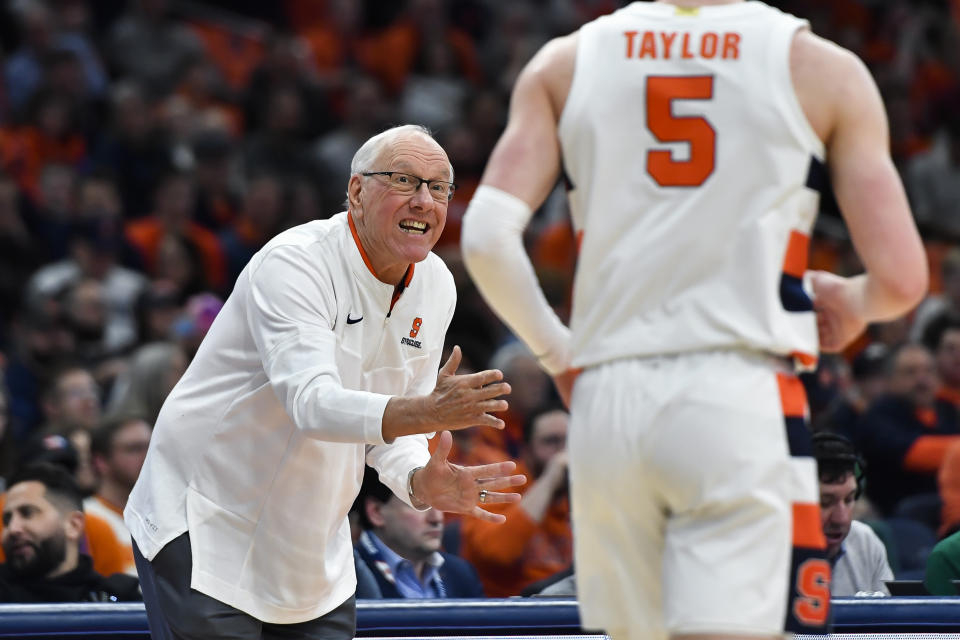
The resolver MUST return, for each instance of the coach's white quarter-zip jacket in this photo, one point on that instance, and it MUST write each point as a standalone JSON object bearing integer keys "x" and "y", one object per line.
{"x": 259, "y": 450}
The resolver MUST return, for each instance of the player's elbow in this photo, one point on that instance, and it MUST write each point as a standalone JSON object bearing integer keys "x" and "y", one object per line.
{"x": 907, "y": 286}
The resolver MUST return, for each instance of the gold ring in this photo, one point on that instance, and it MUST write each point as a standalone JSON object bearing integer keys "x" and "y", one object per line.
{"x": 483, "y": 496}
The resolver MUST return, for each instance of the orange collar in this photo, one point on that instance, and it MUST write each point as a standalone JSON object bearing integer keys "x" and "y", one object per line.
{"x": 407, "y": 277}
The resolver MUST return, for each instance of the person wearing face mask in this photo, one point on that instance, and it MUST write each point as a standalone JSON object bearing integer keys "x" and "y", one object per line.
{"x": 43, "y": 527}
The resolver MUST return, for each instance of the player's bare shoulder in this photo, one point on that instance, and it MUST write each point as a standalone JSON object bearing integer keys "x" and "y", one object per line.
{"x": 828, "y": 79}
{"x": 553, "y": 68}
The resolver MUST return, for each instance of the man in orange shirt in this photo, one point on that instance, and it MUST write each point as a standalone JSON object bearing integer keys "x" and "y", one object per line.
{"x": 119, "y": 447}
{"x": 536, "y": 541}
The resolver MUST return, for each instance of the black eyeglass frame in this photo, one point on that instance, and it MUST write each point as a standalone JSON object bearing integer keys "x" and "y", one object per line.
{"x": 420, "y": 181}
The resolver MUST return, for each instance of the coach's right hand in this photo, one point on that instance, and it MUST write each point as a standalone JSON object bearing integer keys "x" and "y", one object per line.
{"x": 457, "y": 402}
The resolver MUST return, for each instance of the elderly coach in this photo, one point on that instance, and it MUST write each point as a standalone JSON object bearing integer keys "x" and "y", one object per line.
{"x": 324, "y": 357}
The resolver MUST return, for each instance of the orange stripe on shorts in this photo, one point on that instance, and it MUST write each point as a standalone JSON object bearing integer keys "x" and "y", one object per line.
{"x": 798, "y": 252}
{"x": 807, "y": 528}
{"x": 793, "y": 398}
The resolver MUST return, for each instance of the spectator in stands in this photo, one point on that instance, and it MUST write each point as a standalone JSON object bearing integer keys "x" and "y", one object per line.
{"x": 119, "y": 446}
{"x": 154, "y": 369}
{"x": 401, "y": 547}
{"x": 867, "y": 381}
{"x": 531, "y": 389}
{"x": 536, "y": 541}
{"x": 54, "y": 209}
{"x": 942, "y": 337}
{"x": 261, "y": 217}
{"x": 856, "y": 554}
{"x": 281, "y": 146}
{"x": 41, "y": 340}
{"x": 71, "y": 401}
{"x": 905, "y": 434}
{"x": 157, "y": 309}
{"x": 94, "y": 248}
{"x": 148, "y": 45}
{"x": 365, "y": 111}
{"x": 174, "y": 200}
{"x": 43, "y": 527}
{"x": 110, "y": 555}
{"x": 131, "y": 147}
{"x": 71, "y": 407}
{"x": 287, "y": 65}
{"x": 86, "y": 312}
{"x": 41, "y": 38}
{"x": 213, "y": 153}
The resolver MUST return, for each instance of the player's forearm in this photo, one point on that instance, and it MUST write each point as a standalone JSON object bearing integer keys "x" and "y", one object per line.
{"x": 493, "y": 253}
{"x": 890, "y": 296}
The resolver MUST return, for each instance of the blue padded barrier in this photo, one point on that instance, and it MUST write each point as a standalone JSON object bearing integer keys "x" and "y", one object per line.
{"x": 530, "y": 617}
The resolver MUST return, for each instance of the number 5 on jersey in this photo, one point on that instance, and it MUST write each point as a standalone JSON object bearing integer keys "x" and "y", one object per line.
{"x": 666, "y": 127}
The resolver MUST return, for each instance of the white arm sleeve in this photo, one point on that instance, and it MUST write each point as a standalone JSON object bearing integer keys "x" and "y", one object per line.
{"x": 492, "y": 246}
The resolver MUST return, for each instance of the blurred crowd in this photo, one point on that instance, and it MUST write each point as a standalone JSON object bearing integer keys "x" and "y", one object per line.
{"x": 148, "y": 148}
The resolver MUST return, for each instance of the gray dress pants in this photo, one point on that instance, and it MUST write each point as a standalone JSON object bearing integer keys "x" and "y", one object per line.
{"x": 177, "y": 612}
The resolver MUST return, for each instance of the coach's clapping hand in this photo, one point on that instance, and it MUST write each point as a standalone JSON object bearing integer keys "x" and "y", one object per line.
{"x": 449, "y": 487}
{"x": 457, "y": 402}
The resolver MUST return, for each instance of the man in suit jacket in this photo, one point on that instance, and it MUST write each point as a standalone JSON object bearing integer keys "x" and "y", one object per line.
{"x": 401, "y": 547}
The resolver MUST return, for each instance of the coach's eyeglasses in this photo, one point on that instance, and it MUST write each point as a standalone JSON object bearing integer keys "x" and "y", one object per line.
{"x": 408, "y": 184}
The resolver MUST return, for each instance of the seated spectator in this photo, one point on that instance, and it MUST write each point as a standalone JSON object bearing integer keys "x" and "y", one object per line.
{"x": 530, "y": 388}
{"x": 93, "y": 254}
{"x": 401, "y": 547}
{"x": 867, "y": 382}
{"x": 174, "y": 200}
{"x": 856, "y": 554}
{"x": 43, "y": 526}
{"x": 942, "y": 337}
{"x": 41, "y": 340}
{"x": 119, "y": 447}
{"x": 904, "y": 435}
{"x": 536, "y": 540}
{"x": 260, "y": 219}
{"x": 943, "y": 567}
{"x": 99, "y": 541}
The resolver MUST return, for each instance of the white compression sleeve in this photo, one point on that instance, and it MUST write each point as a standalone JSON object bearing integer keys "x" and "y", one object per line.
{"x": 492, "y": 246}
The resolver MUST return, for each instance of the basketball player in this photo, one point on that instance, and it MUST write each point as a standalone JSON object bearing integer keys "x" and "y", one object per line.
{"x": 694, "y": 138}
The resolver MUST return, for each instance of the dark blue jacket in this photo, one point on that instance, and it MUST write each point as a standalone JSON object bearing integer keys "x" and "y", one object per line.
{"x": 458, "y": 577}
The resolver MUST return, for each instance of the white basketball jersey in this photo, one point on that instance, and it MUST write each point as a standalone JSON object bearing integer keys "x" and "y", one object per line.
{"x": 693, "y": 174}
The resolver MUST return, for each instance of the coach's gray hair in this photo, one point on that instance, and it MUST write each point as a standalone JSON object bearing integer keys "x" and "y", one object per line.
{"x": 370, "y": 150}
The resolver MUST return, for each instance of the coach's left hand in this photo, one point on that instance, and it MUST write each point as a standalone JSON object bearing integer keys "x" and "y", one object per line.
{"x": 449, "y": 487}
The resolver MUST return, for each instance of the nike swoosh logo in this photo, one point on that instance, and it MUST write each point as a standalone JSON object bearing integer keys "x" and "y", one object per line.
{"x": 353, "y": 320}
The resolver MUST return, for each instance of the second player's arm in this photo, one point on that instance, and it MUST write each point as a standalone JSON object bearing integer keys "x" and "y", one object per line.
{"x": 522, "y": 171}
{"x": 872, "y": 200}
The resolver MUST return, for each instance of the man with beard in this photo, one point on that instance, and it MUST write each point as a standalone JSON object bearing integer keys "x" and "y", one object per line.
{"x": 43, "y": 525}
{"x": 536, "y": 542}
{"x": 905, "y": 434}
{"x": 857, "y": 556}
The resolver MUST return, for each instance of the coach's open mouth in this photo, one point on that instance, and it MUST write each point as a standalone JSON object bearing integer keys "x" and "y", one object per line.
{"x": 414, "y": 226}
